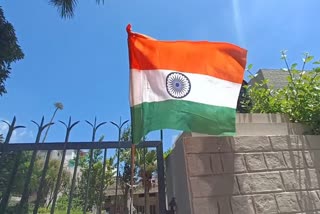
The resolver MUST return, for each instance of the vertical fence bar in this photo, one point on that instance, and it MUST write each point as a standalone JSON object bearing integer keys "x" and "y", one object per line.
{"x": 5, "y": 198}
{"x": 73, "y": 181}
{"x": 11, "y": 128}
{"x": 88, "y": 182}
{"x": 43, "y": 176}
{"x": 69, "y": 127}
{"x": 57, "y": 186}
{"x": 25, "y": 193}
{"x": 161, "y": 177}
{"x": 6, "y": 195}
{"x": 94, "y": 130}
{"x": 117, "y": 177}
{"x": 102, "y": 180}
{"x": 119, "y": 126}
{"x": 90, "y": 163}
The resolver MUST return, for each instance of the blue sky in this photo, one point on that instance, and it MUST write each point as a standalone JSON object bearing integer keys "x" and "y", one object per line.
{"x": 83, "y": 62}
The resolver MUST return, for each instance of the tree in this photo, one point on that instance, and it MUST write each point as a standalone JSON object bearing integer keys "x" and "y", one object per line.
{"x": 96, "y": 173}
{"x": 58, "y": 106}
{"x": 10, "y": 51}
{"x": 145, "y": 169}
{"x": 47, "y": 192}
{"x": 167, "y": 153}
{"x": 7, "y": 166}
{"x": 147, "y": 166}
{"x": 66, "y": 7}
{"x": 125, "y": 176}
{"x": 46, "y": 195}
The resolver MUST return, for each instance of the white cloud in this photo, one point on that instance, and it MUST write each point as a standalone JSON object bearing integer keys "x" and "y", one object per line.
{"x": 237, "y": 19}
{"x": 18, "y": 135}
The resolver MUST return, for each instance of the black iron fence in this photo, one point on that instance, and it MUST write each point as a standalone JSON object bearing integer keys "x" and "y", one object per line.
{"x": 29, "y": 185}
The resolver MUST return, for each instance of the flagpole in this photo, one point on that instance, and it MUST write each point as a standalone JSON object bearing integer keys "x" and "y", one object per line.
{"x": 161, "y": 181}
{"x": 133, "y": 147}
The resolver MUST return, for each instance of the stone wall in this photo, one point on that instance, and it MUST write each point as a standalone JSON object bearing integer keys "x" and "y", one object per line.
{"x": 245, "y": 174}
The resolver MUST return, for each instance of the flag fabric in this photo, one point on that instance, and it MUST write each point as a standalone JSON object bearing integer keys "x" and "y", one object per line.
{"x": 183, "y": 85}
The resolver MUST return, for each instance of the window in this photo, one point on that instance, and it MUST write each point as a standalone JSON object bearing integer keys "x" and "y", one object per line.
{"x": 140, "y": 209}
{"x": 141, "y": 195}
{"x": 152, "y": 194}
{"x": 152, "y": 209}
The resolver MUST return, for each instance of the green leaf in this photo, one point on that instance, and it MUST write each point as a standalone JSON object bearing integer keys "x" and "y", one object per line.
{"x": 316, "y": 62}
{"x": 293, "y": 66}
{"x": 317, "y": 70}
{"x": 249, "y": 67}
{"x": 308, "y": 59}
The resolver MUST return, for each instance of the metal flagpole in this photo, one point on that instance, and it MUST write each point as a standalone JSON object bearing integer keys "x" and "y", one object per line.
{"x": 133, "y": 148}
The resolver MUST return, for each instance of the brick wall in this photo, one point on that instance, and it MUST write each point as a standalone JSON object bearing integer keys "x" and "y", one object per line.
{"x": 252, "y": 174}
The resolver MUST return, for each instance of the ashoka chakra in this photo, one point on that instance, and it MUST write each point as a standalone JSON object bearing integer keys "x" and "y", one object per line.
{"x": 178, "y": 85}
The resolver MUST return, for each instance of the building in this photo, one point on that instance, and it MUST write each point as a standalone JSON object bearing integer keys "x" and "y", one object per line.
{"x": 138, "y": 198}
{"x": 277, "y": 78}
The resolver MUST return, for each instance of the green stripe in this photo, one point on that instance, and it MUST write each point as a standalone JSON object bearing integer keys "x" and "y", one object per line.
{"x": 182, "y": 115}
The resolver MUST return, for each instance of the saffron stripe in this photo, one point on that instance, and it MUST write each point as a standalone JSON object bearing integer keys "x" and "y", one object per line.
{"x": 221, "y": 60}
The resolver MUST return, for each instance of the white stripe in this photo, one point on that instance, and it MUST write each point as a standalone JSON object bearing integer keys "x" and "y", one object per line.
{"x": 150, "y": 86}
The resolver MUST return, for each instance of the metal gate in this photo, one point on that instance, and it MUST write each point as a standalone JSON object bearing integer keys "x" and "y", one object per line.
{"x": 27, "y": 171}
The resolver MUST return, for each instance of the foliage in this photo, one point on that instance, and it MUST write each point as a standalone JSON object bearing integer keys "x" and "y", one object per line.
{"x": 7, "y": 165}
{"x": 43, "y": 210}
{"x": 95, "y": 177}
{"x": 51, "y": 180}
{"x": 145, "y": 168}
{"x": 66, "y": 7}
{"x": 244, "y": 101}
{"x": 49, "y": 183}
{"x": 62, "y": 204}
{"x": 24, "y": 158}
{"x": 299, "y": 99}
{"x": 10, "y": 51}
{"x": 125, "y": 172}
{"x": 167, "y": 153}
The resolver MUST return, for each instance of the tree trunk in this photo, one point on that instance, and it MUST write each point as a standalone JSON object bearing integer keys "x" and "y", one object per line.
{"x": 47, "y": 129}
{"x": 125, "y": 200}
{"x": 147, "y": 208}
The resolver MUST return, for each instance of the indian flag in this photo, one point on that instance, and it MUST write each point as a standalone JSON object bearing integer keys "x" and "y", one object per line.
{"x": 183, "y": 85}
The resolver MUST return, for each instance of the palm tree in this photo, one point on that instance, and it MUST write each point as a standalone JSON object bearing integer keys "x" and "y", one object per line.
{"x": 147, "y": 164}
{"x": 66, "y": 7}
{"x": 58, "y": 106}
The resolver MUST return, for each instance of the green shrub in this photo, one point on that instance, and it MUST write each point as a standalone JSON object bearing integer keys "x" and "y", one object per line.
{"x": 43, "y": 210}
{"x": 299, "y": 99}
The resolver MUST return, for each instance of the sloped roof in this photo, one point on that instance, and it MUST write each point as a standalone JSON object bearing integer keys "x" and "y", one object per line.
{"x": 277, "y": 78}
